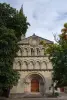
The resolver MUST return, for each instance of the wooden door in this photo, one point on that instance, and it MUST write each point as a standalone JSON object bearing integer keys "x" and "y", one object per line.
{"x": 34, "y": 85}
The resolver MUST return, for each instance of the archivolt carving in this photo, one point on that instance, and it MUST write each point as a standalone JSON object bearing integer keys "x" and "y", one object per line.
{"x": 30, "y": 64}
{"x": 32, "y": 60}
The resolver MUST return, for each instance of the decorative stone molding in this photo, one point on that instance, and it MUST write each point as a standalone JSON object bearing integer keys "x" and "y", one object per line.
{"x": 31, "y": 64}
{"x": 34, "y": 51}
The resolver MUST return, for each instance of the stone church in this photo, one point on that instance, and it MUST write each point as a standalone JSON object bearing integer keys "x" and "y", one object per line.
{"x": 33, "y": 65}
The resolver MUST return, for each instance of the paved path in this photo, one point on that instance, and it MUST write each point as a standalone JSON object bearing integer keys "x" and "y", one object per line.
{"x": 37, "y": 97}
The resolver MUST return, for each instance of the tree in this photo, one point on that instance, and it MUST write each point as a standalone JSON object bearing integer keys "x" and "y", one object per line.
{"x": 58, "y": 56}
{"x": 13, "y": 19}
{"x": 13, "y": 24}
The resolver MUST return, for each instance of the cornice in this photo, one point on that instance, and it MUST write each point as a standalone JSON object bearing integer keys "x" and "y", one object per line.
{"x": 33, "y": 69}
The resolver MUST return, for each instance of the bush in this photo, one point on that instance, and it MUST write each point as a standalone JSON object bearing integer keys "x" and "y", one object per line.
{"x": 56, "y": 94}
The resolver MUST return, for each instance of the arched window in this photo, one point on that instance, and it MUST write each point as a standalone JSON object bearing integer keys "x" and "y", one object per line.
{"x": 32, "y": 52}
{"x": 38, "y": 52}
{"x": 25, "y": 53}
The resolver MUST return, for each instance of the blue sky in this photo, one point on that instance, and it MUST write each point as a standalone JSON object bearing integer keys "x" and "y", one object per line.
{"x": 46, "y": 17}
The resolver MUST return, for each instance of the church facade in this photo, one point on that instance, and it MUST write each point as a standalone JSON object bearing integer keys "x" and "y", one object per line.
{"x": 33, "y": 65}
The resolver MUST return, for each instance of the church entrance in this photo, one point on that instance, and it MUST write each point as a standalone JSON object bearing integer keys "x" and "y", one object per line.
{"x": 34, "y": 85}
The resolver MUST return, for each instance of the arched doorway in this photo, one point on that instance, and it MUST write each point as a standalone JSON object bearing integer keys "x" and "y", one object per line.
{"x": 34, "y": 82}
{"x": 34, "y": 85}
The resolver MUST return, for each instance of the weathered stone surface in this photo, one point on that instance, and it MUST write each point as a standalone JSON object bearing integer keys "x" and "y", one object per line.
{"x": 32, "y": 64}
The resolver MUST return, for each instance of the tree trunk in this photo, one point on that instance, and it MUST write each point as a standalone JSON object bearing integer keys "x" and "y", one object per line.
{"x": 6, "y": 93}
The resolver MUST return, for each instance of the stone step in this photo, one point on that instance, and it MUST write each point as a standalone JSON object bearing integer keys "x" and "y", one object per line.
{"x": 27, "y": 95}
{"x": 33, "y": 96}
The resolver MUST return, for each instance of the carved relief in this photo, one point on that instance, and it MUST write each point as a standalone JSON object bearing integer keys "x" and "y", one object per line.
{"x": 34, "y": 41}
{"x": 31, "y": 59}
{"x": 29, "y": 64}
{"x": 30, "y": 50}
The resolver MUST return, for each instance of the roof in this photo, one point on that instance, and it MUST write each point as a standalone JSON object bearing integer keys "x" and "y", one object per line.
{"x": 26, "y": 40}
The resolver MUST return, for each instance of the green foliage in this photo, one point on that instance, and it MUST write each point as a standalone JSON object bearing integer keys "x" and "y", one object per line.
{"x": 8, "y": 49}
{"x": 13, "y": 24}
{"x": 56, "y": 94}
{"x": 58, "y": 56}
{"x": 13, "y": 19}
{"x": 6, "y": 13}
{"x": 18, "y": 23}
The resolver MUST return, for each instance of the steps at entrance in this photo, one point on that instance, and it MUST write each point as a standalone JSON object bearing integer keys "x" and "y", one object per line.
{"x": 26, "y": 95}
{"x": 34, "y": 95}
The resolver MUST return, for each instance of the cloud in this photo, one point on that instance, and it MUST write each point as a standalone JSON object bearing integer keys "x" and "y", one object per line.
{"x": 45, "y": 16}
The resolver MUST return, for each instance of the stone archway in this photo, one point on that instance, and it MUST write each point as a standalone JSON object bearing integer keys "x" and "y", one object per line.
{"x": 35, "y": 82}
